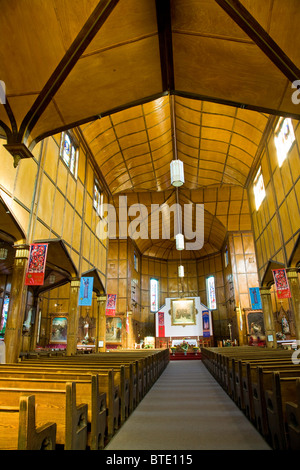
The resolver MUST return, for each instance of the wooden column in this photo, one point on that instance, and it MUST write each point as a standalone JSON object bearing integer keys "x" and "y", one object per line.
{"x": 265, "y": 293}
{"x": 17, "y": 305}
{"x": 129, "y": 334}
{"x": 34, "y": 329}
{"x": 292, "y": 274}
{"x": 73, "y": 318}
{"x": 101, "y": 324}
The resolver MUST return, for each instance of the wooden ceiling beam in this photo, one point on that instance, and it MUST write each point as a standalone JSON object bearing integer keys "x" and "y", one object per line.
{"x": 163, "y": 13}
{"x": 79, "y": 45}
{"x": 254, "y": 30}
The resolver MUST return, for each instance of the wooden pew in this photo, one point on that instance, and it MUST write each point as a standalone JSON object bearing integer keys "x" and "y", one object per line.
{"x": 284, "y": 389}
{"x": 122, "y": 401}
{"x": 18, "y": 430}
{"x": 87, "y": 391}
{"x": 125, "y": 377}
{"x": 241, "y": 381}
{"x": 58, "y": 406}
{"x": 106, "y": 385}
{"x": 292, "y": 411}
{"x": 249, "y": 382}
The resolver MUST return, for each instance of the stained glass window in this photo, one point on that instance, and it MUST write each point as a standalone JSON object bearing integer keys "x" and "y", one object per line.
{"x": 259, "y": 189}
{"x": 4, "y": 315}
{"x": 211, "y": 293}
{"x": 69, "y": 152}
{"x": 153, "y": 295}
{"x": 284, "y": 138}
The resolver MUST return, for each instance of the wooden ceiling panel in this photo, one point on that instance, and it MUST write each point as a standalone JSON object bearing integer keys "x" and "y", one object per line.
{"x": 129, "y": 22}
{"x": 146, "y": 84}
{"x": 247, "y": 74}
{"x": 100, "y": 82}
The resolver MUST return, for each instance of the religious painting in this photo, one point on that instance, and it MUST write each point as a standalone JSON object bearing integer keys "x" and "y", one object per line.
{"x": 255, "y": 323}
{"x": 59, "y": 330}
{"x": 183, "y": 312}
{"x": 113, "y": 330}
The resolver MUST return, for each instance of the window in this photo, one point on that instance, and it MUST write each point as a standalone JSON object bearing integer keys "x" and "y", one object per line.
{"x": 4, "y": 315}
{"x": 154, "y": 295}
{"x": 135, "y": 261}
{"x": 211, "y": 293}
{"x": 69, "y": 152}
{"x": 98, "y": 199}
{"x": 226, "y": 261}
{"x": 259, "y": 189}
{"x": 284, "y": 138}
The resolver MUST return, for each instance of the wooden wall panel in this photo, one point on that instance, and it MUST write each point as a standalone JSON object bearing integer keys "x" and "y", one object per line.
{"x": 276, "y": 224}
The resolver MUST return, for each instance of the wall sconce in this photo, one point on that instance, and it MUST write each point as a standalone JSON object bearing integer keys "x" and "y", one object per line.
{"x": 179, "y": 241}
{"x": 177, "y": 173}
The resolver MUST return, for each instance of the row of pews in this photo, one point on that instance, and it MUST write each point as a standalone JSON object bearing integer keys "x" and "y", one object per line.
{"x": 76, "y": 402}
{"x": 265, "y": 385}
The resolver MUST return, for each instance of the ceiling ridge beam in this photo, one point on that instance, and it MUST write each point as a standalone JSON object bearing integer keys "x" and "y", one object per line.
{"x": 81, "y": 42}
{"x": 163, "y": 14}
{"x": 243, "y": 18}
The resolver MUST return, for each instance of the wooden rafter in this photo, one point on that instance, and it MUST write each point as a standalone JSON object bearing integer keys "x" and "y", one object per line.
{"x": 79, "y": 45}
{"x": 254, "y": 30}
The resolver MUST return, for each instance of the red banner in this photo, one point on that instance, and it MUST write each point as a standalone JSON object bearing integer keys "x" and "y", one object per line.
{"x": 161, "y": 325}
{"x": 111, "y": 305}
{"x": 281, "y": 283}
{"x": 36, "y": 264}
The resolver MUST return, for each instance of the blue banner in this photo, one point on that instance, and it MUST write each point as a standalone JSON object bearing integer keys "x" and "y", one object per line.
{"x": 86, "y": 291}
{"x": 205, "y": 323}
{"x": 255, "y": 298}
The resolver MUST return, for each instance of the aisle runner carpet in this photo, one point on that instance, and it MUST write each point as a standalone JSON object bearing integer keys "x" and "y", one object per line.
{"x": 187, "y": 409}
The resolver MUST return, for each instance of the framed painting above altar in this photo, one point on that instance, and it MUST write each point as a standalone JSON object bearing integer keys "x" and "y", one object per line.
{"x": 183, "y": 312}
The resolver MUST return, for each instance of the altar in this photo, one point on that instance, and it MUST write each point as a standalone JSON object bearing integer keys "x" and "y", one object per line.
{"x": 183, "y": 319}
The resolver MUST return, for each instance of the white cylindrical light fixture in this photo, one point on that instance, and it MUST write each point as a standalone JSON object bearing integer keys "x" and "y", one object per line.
{"x": 181, "y": 271}
{"x": 177, "y": 173}
{"x": 179, "y": 241}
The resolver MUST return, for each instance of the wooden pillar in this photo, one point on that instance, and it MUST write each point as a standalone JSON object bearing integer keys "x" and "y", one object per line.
{"x": 265, "y": 293}
{"x": 101, "y": 324}
{"x": 17, "y": 305}
{"x": 129, "y": 331}
{"x": 73, "y": 318}
{"x": 242, "y": 332}
{"x": 292, "y": 274}
{"x": 34, "y": 329}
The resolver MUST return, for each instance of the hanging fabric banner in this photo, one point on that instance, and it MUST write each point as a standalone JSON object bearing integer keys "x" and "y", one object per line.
{"x": 86, "y": 291}
{"x": 205, "y": 323}
{"x": 36, "y": 264}
{"x": 281, "y": 283}
{"x": 161, "y": 325}
{"x": 255, "y": 298}
{"x": 111, "y": 305}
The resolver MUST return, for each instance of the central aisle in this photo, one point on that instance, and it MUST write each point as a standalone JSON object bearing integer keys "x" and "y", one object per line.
{"x": 186, "y": 409}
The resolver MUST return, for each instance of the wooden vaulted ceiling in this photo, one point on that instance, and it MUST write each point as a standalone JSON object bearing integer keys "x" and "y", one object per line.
{"x": 145, "y": 79}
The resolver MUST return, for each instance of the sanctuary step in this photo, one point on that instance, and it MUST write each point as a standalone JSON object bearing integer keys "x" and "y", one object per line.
{"x": 180, "y": 356}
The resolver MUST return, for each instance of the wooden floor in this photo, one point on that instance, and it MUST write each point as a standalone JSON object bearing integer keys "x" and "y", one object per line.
{"x": 186, "y": 409}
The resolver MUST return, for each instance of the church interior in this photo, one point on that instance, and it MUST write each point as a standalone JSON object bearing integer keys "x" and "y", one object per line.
{"x": 149, "y": 208}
